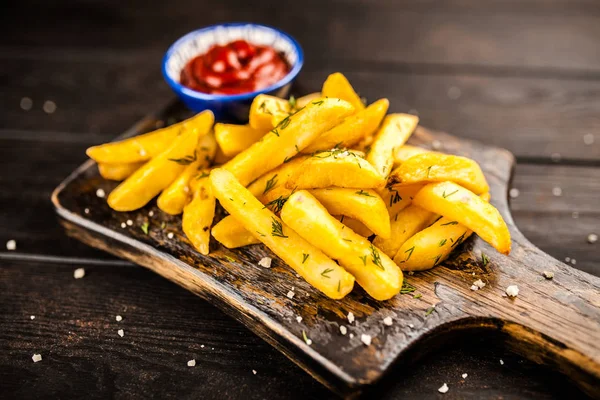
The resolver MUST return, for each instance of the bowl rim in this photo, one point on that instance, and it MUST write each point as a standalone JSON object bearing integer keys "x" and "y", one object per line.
{"x": 183, "y": 90}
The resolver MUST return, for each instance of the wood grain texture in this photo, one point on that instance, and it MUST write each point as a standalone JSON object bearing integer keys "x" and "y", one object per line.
{"x": 233, "y": 281}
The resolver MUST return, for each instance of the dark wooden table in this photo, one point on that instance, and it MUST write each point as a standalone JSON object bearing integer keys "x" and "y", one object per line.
{"x": 524, "y": 75}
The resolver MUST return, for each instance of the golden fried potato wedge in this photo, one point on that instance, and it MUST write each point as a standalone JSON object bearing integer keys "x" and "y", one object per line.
{"x": 262, "y": 110}
{"x": 398, "y": 198}
{"x": 337, "y": 86}
{"x": 232, "y": 234}
{"x": 304, "y": 100}
{"x": 304, "y": 258}
{"x": 355, "y": 225}
{"x": 374, "y": 271}
{"x": 146, "y": 146}
{"x": 271, "y": 185}
{"x": 363, "y": 205}
{"x": 459, "y": 204}
{"x": 118, "y": 172}
{"x": 178, "y": 194}
{"x": 408, "y": 222}
{"x": 404, "y": 152}
{"x": 393, "y": 132}
{"x": 340, "y": 168}
{"x": 198, "y": 216}
{"x": 437, "y": 167}
{"x": 154, "y": 176}
{"x": 351, "y": 130}
{"x": 233, "y": 139}
{"x": 286, "y": 140}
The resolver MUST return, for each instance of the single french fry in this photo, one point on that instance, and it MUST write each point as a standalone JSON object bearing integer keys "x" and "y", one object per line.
{"x": 262, "y": 110}
{"x": 352, "y": 129}
{"x": 304, "y": 100}
{"x": 410, "y": 221}
{"x": 404, "y": 152}
{"x": 459, "y": 204}
{"x": 374, "y": 271}
{"x": 363, "y": 205}
{"x": 340, "y": 168}
{"x": 286, "y": 140}
{"x": 118, "y": 172}
{"x": 198, "y": 216}
{"x": 147, "y": 146}
{"x": 307, "y": 260}
{"x": 433, "y": 245}
{"x": 437, "y": 167}
{"x": 274, "y": 181}
{"x": 337, "y": 86}
{"x": 394, "y": 132}
{"x": 232, "y": 234}
{"x": 154, "y": 176}
{"x": 355, "y": 225}
{"x": 398, "y": 198}
{"x": 233, "y": 139}
{"x": 177, "y": 194}
{"x": 207, "y": 149}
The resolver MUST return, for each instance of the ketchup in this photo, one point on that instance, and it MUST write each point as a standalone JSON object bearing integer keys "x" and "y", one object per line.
{"x": 237, "y": 67}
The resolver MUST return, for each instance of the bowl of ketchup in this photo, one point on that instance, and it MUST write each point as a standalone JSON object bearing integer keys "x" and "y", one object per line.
{"x": 223, "y": 67}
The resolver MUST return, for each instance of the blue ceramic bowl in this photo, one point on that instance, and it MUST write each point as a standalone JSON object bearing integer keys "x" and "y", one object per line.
{"x": 229, "y": 107}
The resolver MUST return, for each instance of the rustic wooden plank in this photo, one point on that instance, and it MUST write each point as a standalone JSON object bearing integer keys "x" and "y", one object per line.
{"x": 165, "y": 326}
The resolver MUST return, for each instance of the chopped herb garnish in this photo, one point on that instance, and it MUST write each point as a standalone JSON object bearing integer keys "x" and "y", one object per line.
{"x": 417, "y": 296}
{"x": 407, "y": 288}
{"x": 297, "y": 149}
{"x": 437, "y": 259}
{"x": 306, "y": 339}
{"x": 261, "y": 234}
{"x": 450, "y": 223}
{"x": 318, "y": 103}
{"x": 277, "y": 204}
{"x": 292, "y": 102}
{"x": 429, "y": 170}
{"x": 275, "y": 131}
{"x": 409, "y": 251}
{"x": 460, "y": 239}
{"x": 326, "y": 271}
{"x": 444, "y": 195}
{"x": 364, "y": 193}
{"x": 364, "y": 260}
{"x": 187, "y": 160}
{"x": 204, "y": 148}
{"x": 270, "y": 184}
{"x": 202, "y": 175}
{"x": 144, "y": 227}
{"x": 284, "y": 123}
{"x": 395, "y": 198}
{"x": 305, "y": 257}
{"x": 342, "y": 219}
{"x": 338, "y": 145}
{"x": 429, "y": 311}
{"x": 484, "y": 259}
{"x": 163, "y": 225}
{"x": 287, "y": 159}
{"x": 442, "y": 242}
{"x": 277, "y": 229}
{"x": 376, "y": 257}
{"x": 347, "y": 240}
{"x": 339, "y": 283}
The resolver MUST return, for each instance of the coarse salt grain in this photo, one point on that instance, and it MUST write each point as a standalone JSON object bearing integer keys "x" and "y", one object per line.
{"x": 129, "y": 222}
{"x": 388, "y": 321}
{"x": 411, "y": 326}
{"x": 343, "y": 330}
{"x": 151, "y": 214}
{"x": 11, "y": 245}
{"x": 592, "y": 238}
{"x": 299, "y": 319}
{"x": 79, "y": 273}
{"x": 32, "y": 317}
{"x": 513, "y": 193}
{"x": 265, "y": 262}
{"x": 202, "y": 346}
{"x": 573, "y": 261}
{"x": 26, "y": 103}
{"x": 512, "y": 290}
{"x": 465, "y": 376}
{"x": 254, "y": 371}
{"x": 548, "y": 274}
{"x": 191, "y": 363}
{"x": 49, "y": 107}
{"x": 556, "y": 191}
{"x": 351, "y": 336}
{"x": 588, "y": 138}
{"x": 350, "y": 317}
{"x": 100, "y": 193}
{"x": 366, "y": 339}
{"x": 436, "y": 145}
{"x": 479, "y": 283}
{"x": 142, "y": 152}
{"x": 119, "y": 318}
{"x": 87, "y": 210}
{"x": 170, "y": 235}
{"x": 123, "y": 225}
{"x": 501, "y": 362}
{"x": 121, "y": 332}
{"x": 567, "y": 259}
{"x": 36, "y": 358}
{"x": 474, "y": 287}
{"x": 290, "y": 294}
{"x": 443, "y": 389}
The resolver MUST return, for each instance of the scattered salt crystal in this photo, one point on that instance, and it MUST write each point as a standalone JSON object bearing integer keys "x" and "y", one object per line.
{"x": 49, "y": 107}
{"x": 299, "y": 319}
{"x": 573, "y": 261}
{"x": 129, "y": 222}
{"x": 142, "y": 152}
{"x": 388, "y": 321}
{"x": 465, "y": 376}
{"x": 443, "y": 389}
{"x": 548, "y": 274}
{"x": 556, "y": 191}
{"x": 119, "y": 318}
{"x": 343, "y": 330}
{"x": 121, "y": 332}
{"x": 592, "y": 238}
{"x": 11, "y": 245}
{"x": 36, "y": 358}
{"x": 436, "y": 145}
{"x": 123, "y": 225}
{"x": 32, "y": 317}
{"x": 366, "y": 339}
{"x": 512, "y": 290}
{"x": 87, "y": 210}
{"x": 79, "y": 273}
{"x": 555, "y": 157}
{"x": 170, "y": 235}
{"x": 265, "y": 262}
{"x": 151, "y": 213}
{"x": 351, "y": 336}
{"x": 513, "y": 193}
{"x": 575, "y": 214}
{"x": 202, "y": 346}
{"x": 454, "y": 93}
{"x": 474, "y": 287}
{"x": 290, "y": 294}
{"x": 350, "y": 317}
{"x": 588, "y": 138}
{"x": 100, "y": 193}
{"x": 254, "y": 371}
{"x": 191, "y": 363}
{"x": 411, "y": 326}
{"x": 567, "y": 259}
{"x": 479, "y": 283}
{"x": 501, "y": 362}
{"x": 26, "y": 103}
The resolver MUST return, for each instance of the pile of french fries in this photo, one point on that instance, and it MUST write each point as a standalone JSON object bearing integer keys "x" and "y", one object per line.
{"x": 325, "y": 182}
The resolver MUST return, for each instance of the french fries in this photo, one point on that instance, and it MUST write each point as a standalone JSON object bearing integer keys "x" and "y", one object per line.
{"x": 341, "y": 168}
{"x": 119, "y": 171}
{"x": 404, "y": 152}
{"x": 233, "y": 139}
{"x": 273, "y": 184}
{"x": 307, "y": 260}
{"x": 398, "y": 198}
{"x": 263, "y": 110}
{"x": 232, "y": 234}
{"x": 437, "y": 167}
{"x": 286, "y": 140}
{"x": 352, "y": 129}
{"x": 198, "y": 216}
{"x": 374, "y": 271}
{"x": 148, "y": 181}
{"x": 363, "y": 205}
{"x": 459, "y": 204}
{"x": 408, "y": 222}
{"x": 337, "y": 86}
{"x": 394, "y": 132}
{"x": 144, "y": 147}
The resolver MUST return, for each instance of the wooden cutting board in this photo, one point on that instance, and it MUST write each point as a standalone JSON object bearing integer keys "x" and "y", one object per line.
{"x": 555, "y": 322}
